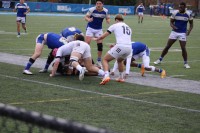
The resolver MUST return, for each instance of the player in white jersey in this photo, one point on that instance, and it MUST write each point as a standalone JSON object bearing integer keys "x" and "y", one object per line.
{"x": 139, "y": 10}
{"x": 178, "y": 22}
{"x": 140, "y": 51}
{"x": 120, "y": 51}
{"x": 22, "y": 9}
{"x": 78, "y": 50}
{"x": 95, "y": 17}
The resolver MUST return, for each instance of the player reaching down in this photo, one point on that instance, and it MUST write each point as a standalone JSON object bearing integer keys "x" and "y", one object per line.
{"x": 121, "y": 50}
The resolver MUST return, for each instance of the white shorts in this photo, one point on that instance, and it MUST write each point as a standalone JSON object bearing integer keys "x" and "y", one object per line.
{"x": 93, "y": 32}
{"x": 145, "y": 57}
{"x": 83, "y": 49}
{"x": 119, "y": 51}
{"x": 179, "y": 36}
{"x": 140, "y": 14}
{"x": 21, "y": 19}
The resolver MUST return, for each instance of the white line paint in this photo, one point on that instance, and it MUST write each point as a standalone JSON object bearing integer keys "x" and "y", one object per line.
{"x": 104, "y": 94}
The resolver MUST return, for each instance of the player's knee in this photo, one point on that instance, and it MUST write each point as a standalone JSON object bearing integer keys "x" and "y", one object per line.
{"x": 100, "y": 46}
{"x": 152, "y": 68}
{"x": 72, "y": 60}
{"x": 31, "y": 60}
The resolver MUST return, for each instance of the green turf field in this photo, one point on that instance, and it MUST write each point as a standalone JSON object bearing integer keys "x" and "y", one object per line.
{"x": 127, "y": 108}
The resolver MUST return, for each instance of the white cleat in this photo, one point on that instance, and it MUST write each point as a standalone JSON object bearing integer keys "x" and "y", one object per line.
{"x": 157, "y": 62}
{"x": 18, "y": 36}
{"x": 27, "y": 72}
{"x": 186, "y": 66}
{"x": 82, "y": 73}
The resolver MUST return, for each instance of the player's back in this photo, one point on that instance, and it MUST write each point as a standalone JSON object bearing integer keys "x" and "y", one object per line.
{"x": 70, "y": 31}
{"x": 138, "y": 47}
{"x": 122, "y": 33}
{"x": 54, "y": 40}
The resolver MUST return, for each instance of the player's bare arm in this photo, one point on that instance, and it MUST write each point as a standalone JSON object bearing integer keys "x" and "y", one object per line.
{"x": 88, "y": 19}
{"x": 55, "y": 67}
{"x": 190, "y": 28}
{"x": 172, "y": 24}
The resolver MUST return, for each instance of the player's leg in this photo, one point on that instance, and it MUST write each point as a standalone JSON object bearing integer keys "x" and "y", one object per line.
{"x": 138, "y": 18}
{"x": 142, "y": 18}
{"x": 97, "y": 34}
{"x": 24, "y": 23}
{"x": 184, "y": 53}
{"x": 38, "y": 51}
{"x": 165, "y": 50}
{"x": 18, "y": 21}
{"x": 121, "y": 69}
{"x": 48, "y": 62}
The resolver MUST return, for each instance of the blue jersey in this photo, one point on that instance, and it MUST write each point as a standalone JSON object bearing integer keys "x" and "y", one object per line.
{"x": 70, "y": 31}
{"x": 54, "y": 40}
{"x": 138, "y": 47}
{"x": 140, "y": 8}
{"x": 21, "y": 9}
{"x": 181, "y": 20}
{"x": 98, "y": 17}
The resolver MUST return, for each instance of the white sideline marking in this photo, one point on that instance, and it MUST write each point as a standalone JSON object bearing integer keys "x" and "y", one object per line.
{"x": 103, "y": 94}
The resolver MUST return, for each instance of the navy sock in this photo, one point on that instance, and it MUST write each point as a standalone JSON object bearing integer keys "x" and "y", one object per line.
{"x": 46, "y": 66}
{"x": 98, "y": 59}
{"x": 139, "y": 65}
{"x": 161, "y": 58}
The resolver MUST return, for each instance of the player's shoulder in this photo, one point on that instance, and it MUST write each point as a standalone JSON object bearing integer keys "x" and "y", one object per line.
{"x": 105, "y": 9}
{"x": 91, "y": 9}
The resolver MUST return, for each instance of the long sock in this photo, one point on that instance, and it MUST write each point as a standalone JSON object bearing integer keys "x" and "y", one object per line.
{"x": 121, "y": 76}
{"x": 46, "y": 66}
{"x": 139, "y": 65}
{"x": 185, "y": 62}
{"x": 106, "y": 74}
{"x": 29, "y": 64}
{"x": 161, "y": 58}
{"x": 160, "y": 70}
{"x": 79, "y": 68}
{"x": 101, "y": 72}
{"x": 115, "y": 67}
{"x": 99, "y": 59}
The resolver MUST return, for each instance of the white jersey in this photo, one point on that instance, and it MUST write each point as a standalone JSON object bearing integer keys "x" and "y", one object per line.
{"x": 64, "y": 50}
{"x": 122, "y": 33}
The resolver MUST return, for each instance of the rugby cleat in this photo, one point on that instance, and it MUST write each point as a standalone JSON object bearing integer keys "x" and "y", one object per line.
{"x": 105, "y": 80}
{"x": 99, "y": 64}
{"x": 186, "y": 66}
{"x": 157, "y": 62}
{"x": 27, "y": 72}
{"x": 142, "y": 70}
{"x": 163, "y": 74}
{"x": 82, "y": 73}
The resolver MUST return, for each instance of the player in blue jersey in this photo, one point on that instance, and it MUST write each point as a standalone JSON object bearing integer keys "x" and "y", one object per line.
{"x": 95, "y": 17}
{"x": 140, "y": 51}
{"x": 22, "y": 9}
{"x": 68, "y": 33}
{"x": 139, "y": 10}
{"x": 178, "y": 22}
{"x": 52, "y": 40}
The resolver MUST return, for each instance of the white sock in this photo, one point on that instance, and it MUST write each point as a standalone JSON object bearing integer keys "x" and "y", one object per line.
{"x": 115, "y": 67}
{"x": 101, "y": 72}
{"x": 106, "y": 74}
{"x": 79, "y": 68}
{"x": 121, "y": 75}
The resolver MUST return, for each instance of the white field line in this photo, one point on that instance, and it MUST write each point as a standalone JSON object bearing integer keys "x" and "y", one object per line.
{"x": 104, "y": 94}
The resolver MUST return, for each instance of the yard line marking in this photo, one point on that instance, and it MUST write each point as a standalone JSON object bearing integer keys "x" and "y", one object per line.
{"x": 103, "y": 94}
{"x": 84, "y": 98}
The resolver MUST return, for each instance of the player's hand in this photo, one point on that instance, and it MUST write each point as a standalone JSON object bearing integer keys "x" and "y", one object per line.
{"x": 174, "y": 27}
{"x": 90, "y": 19}
{"x": 94, "y": 39}
{"x": 188, "y": 33}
